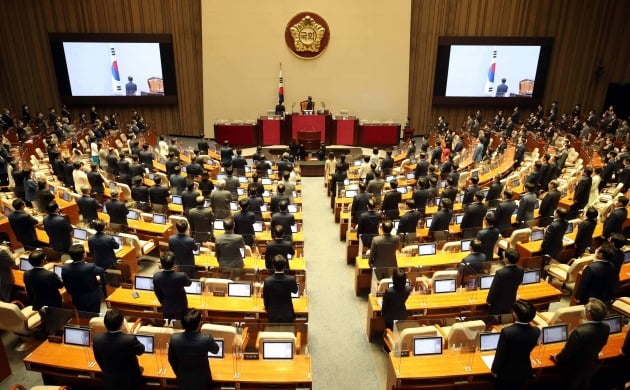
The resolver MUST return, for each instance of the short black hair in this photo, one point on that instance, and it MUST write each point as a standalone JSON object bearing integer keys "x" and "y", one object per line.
{"x": 52, "y": 207}
{"x": 387, "y": 226}
{"x": 18, "y": 204}
{"x": 399, "y": 278}
{"x": 167, "y": 260}
{"x": 36, "y": 258}
{"x": 524, "y": 311}
{"x": 244, "y": 203}
{"x": 76, "y": 252}
{"x": 278, "y": 231}
{"x": 279, "y": 263}
{"x": 512, "y": 255}
{"x": 476, "y": 246}
{"x": 98, "y": 225}
{"x": 191, "y": 320}
{"x": 113, "y": 319}
{"x": 228, "y": 223}
{"x": 181, "y": 225}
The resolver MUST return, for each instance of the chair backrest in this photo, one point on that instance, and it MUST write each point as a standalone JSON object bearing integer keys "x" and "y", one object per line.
{"x": 271, "y": 336}
{"x": 464, "y": 334}
{"x": 520, "y": 236}
{"x": 225, "y": 332}
{"x": 410, "y": 250}
{"x": 216, "y": 284}
{"x": 383, "y": 284}
{"x": 463, "y": 177}
{"x": 451, "y": 247}
{"x": 406, "y": 336}
{"x": 577, "y": 266}
{"x": 126, "y": 191}
{"x": 119, "y": 144}
{"x": 134, "y": 241}
{"x": 156, "y": 84}
{"x": 571, "y": 315}
{"x": 174, "y": 218}
{"x": 39, "y": 152}
{"x": 12, "y": 319}
{"x": 444, "y": 274}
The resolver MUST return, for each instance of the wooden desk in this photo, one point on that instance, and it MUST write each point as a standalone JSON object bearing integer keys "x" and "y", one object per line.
{"x": 208, "y": 260}
{"x": 146, "y": 230}
{"x": 462, "y": 369}
{"x": 67, "y": 364}
{"x": 532, "y": 248}
{"x": 468, "y": 303}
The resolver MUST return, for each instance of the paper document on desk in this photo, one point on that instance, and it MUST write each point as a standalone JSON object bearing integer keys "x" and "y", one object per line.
{"x": 567, "y": 241}
{"x": 488, "y": 359}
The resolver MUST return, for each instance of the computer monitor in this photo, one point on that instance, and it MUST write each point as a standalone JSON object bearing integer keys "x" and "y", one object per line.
{"x": 427, "y": 346}
{"x": 159, "y": 219}
{"x": 516, "y": 182}
{"x": 132, "y": 214}
{"x": 221, "y": 176}
{"x": 292, "y": 208}
{"x": 474, "y": 173}
{"x": 24, "y": 264}
{"x": 410, "y": 176}
{"x": 118, "y": 240}
{"x": 297, "y": 293}
{"x": 266, "y": 194}
{"x": 402, "y": 190}
{"x": 233, "y": 206}
{"x": 266, "y": 181}
{"x": 219, "y": 354}
{"x": 442, "y": 184}
{"x": 197, "y": 249}
{"x": 162, "y": 160}
{"x": 258, "y": 227}
{"x": 346, "y": 182}
{"x": 144, "y": 283}
{"x": 350, "y": 193}
{"x": 242, "y": 250}
{"x": 294, "y": 229}
{"x": 554, "y": 333}
{"x": 105, "y": 208}
{"x": 206, "y": 203}
{"x": 79, "y": 234}
{"x": 194, "y": 288}
{"x": 240, "y": 191}
{"x": 112, "y": 186}
{"x": 151, "y": 176}
{"x": 247, "y": 169}
{"x": 531, "y": 277}
{"x": 626, "y": 256}
{"x": 184, "y": 169}
{"x": 425, "y": 249}
{"x": 277, "y": 349}
{"x": 263, "y": 207}
{"x": 396, "y": 222}
{"x": 466, "y": 244}
{"x": 485, "y": 281}
{"x": 57, "y": 269}
{"x": 218, "y": 224}
{"x": 427, "y": 221}
{"x": 176, "y": 199}
{"x": 484, "y": 192}
{"x": 242, "y": 179}
{"x": 569, "y": 228}
{"x": 538, "y": 234}
{"x": 441, "y": 286}
{"x": 437, "y": 201}
{"x": 488, "y": 341}
{"x": 148, "y": 341}
{"x": 389, "y": 178}
{"x": 459, "y": 198}
{"x": 66, "y": 196}
{"x": 269, "y": 171}
{"x": 614, "y": 323}
{"x": 51, "y": 188}
{"x": 241, "y": 290}
{"x": 537, "y": 204}
{"x": 459, "y": 218}
{"x": 76, "y": 336}
{"x": 357, "y": 163}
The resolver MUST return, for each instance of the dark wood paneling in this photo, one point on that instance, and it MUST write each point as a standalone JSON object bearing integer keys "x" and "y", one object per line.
{"x": 26, "y": 69}
{"x": 586, "y": 34}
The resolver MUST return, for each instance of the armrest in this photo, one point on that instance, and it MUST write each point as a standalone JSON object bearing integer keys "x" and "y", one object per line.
{"x": 132, "y": 329}
{"x": 18, "y": 304}
{"x": 244, "y": 338}
{"x": 388, "y": 338}
{"x": 542, "y": 318}
{"x": 298, "y": 342}
{"x": 442, "y": 333}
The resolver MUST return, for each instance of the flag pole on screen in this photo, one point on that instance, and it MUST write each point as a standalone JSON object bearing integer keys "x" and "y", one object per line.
{"x": 489, "y": 89}
{"x": 280, "y": 86}
{"x": 116, "y": 88}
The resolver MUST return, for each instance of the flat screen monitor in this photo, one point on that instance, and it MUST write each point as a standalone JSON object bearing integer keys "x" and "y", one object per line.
{"x": 57, "y": 269}
{"x": 197, "y": 249}
{"x": 442, "y": 184}
{"x": 538, "y": 235}
{"x": 427, "y": 221}
{"x": 79, "y": 234}
{"x": 554, "y": 333}
{"x": 152, "y": 175}
{"x": 221, "y": 176}
{"x": 569, "y": 228}
{"x": 66, "y": 196}
{"x": 233, "y": 206}
{"x": 410, "y": 176}
{"x": 437, "y": 201}
{"x": 425, "y": 249}
{"x": 194, "y": 288}
{"x": 626, "y": 256}
{"x": 242, "y": 250}
{"x": 402, "y": 190}
{"x": 350, "y": 193}
{"x": 263, "y": 207}
{"x": 241, "y": 290}
{"x": 132, "y": 214}
{"x": 148, "y": 341}
{"x": 113, "y": 186}
{"x": 292, "y": 208}
{"x": 294, "y": 229}
{"x": 357, "y": 163}
{"x": 258, "y": 227}
{"x": 389, "y": 178}
{"x": 105, "y": 208}
{"x": 614, "y": 323}
{"x": 396, "y": 222}
{"x": 277, "y": 349}
{"x": 51, "y": 188}
{"x": 488, "y": 341}
{"x": 485, "y": 281}
{"x": 475, "y": 174}
{"x": 219, "y": 353}
{"x": 118, "y": 240}
{"x": 427, "y": 346}
{"x": 240, "y": 191}
{"x": 114, "y": 69}
{"x": 266, "y": 181}
{"x": 218, "y": 224}
{"x": 176, "y": 199}
{"x": 459, "y": 218}
{"x": 266, "y": 194}
{"x": 531, "y": 277}
{"x": 76, "y": 336}
{"x": 206, "y": 203}
{"x": 466, "y": 245}
{"x": 24, "y": 264}
{"x": 297, "y": 293}
{"x": 242, "y": 179}
{"x": 346, "y": 182}
{"x": 159, "y": 219}
{"x": 144, "y": 283}
{"x": 441, "y": 286}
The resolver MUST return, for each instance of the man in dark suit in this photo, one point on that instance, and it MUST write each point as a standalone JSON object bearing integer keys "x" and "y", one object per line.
{"x": 473, "y": 215}
{"x": 182, "y": 246}
{"x": 391, "y": 200}
{"x": 450, "y": 192}
{"x": 489, "y": 236}
{"x": 278, "y": 246}
{"x": 42, "y": 285}
{"x": 226, "y": 154}
{"x": 277, "y": 291}
{"x": 474, "y": 261}
{"x": 188, "y": 354}
{"x": 436, "y": 154}
{"x": 360, "y": 202}
{"x": 244, "y": 222}
{"x": 442, "y": 219}
{"x": 44, "y": 196}
{"x": 170, "y": 164}
{"x": 88, "y": 206}
{"x": 504, "y": 212}
{"x": 554, "y": 233}
{"x": 135, "y": 168}
{"x": 421, "y": 195}
{"x": 158, "y": 195}
{"x": 228, "y": 246}
{"x": 275, "y": 200}
{"x": 140, "y": 193}
{"x": 422, "y": 166}
{"x": 116, "y": 354}
{"x": 285, "y": 219}
{"x": 146, "y": 157}
{"x": 526, "y": 206}
{"x": 502, "y": 293}
{"x": 80, "y": 279}
{"x": 195, "y": 168}
{"x": 201, "y": 220}
{"x": 579, "y": 359}
{"x": 519, "y": 153}
{"x": 408, "y": 223}
{"x": 58, "y": 228}
{"x": 494, "y": 192}
{"x": 169, "y": 288}
{"x": 189, "y": 196}
{"x": 112, "y": 163}
{"x": 615, "y": 220}
{"x": 367, "y": 224}
{"x": 599, "y": 279}
{"x": 116, "y": 210}
{"x": 102, "y": 246}
{"x": 512, "y": 365}
{"x": 582, "y": 190}
{"x": 239, "y": 162}
{"x": 23, "y": 225}
{"x": 550, "y": 201}
{"x": 470, "y": 192}
{"x": 383, "y": 251}
{"x": 220, "y": 200}
{"x": 584, "y": 237}
{"x": 608, "y": 170}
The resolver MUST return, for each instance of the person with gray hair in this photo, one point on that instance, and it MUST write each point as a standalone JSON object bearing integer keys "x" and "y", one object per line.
{"x": 220, "y": 200}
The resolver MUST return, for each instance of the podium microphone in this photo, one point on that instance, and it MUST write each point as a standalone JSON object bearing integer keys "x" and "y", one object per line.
{"x": 293, "y": 108}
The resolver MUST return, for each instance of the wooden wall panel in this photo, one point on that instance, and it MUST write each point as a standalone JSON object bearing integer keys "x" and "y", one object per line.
{"x": 26, "y": 69}
{"x": 586, "y": 34}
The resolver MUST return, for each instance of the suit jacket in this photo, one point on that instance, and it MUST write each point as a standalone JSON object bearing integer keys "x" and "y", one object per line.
{"x": 188, "y": 356}
{"x": 422, "y": 168}
{"x": 488, "y": 238}
{"x": 136, "y": 169}
{"x": 599, "y": 280}
{"x": 285, "y": 219}
{"x": 189, "y": 200}
{"x": 278, "y": 247}
{"x": 368, "y": 223}
{"x": 390, "y": 204}
{"x": 469, "y": 194}
{"x": 59, "y": 232}
{"x": 178, "y": 183}
{"x": 158, "y": 195}
{"x": 220, "y": 201}
{"x": 244, "y": 225}
{"x": 146, "y": 157}
{"x": 193, "y": 169}
{"x": 88, "y": 207}
{"x": 96, "y": 182}
{"x": 169, "y": 290}
{"x": 44, "y": 197}
{"x": 393, "y": 306}
{"x": 579, "y": 358}
{"x": 275, "y": 201}
{"x": 182, "y": 246}
{"x": 615, "y": 220}
{"x": 526, "y": 207}
{"x": 473, "y": 215}
{"x": 23, "y": 225}
{"x": 503, "y": 214}
{"x": 116, "y": 354}
{"x": 201, "y": 222}
{"x": 227, "y": 248}
{"x": 519, "y": 153}
{"x": 80, "y": 280}
{"x": 359, "y": 204}
{"x": 582, "y": 192}
{"x": 502, "y": 292}
{"x": 43, "y": 287}
{"x": 475, "y": 261}
{"x": 512, "y": 361}
{"x": 450, "y": 193}
{"x": 277, "y": 297}
{"x": 409, "y": 222}
{"x": 420, "y": 198}
{"x": 436, "y": 155}
{"x": 552, "y": 240}
{"x": 383, "y": 251}
{"x": 117, "y": 211}
{"x": 140, "y": 193}
{"x": 102, "y": 250}
{"x": 584, "y": 237}
{"x": 375, "y": 187}
{"x": 549, "y": 204}
{"x": 441, "y": 220}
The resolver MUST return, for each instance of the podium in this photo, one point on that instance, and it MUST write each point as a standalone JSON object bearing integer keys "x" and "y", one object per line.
{"x": 379, "y": 134}
{"x": 346, "y": 130}
{"x": 300, "y": 122}
{"x": 271, "y": 130}
{"x": 237, "y": 134}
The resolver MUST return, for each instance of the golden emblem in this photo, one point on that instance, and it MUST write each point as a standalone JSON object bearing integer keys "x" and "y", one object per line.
{"x": 307, "y": 35}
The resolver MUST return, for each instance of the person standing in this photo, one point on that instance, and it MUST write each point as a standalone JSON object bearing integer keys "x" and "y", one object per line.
{"x": 23, "y": 225}
{"x": 58, "y": 228}
{"x": 188, "y": 354}
{"x": 117, "y": 210}
{"x": 526, "y": 206}
{"x": 82, "y": 281}
{"x": 503, "y": 213}
{"x": 116, "y": 354}
{"x": 394, "y": 299}
{"x": 228, "y": 246}
{"x": 550, "y": 201}
{"x": 201, "y": 221}
{"x": 489, "y": 236}
{"x": 614, "y": 222}
{"x": 554, "y": 233}
{"x": 102, "y": 246}
{"x": 582, "y": 190}
{"x": 169, "y": 288}
{"x": 183, "y": 246}
{"x": 502, "y": 293}
{"x": 277, "y": 291}
{"x": 88, "y": 206}
{"x": 131, "y": 88}
{"x": 278, "y": 246}
{"x": 42, "y": 285}
{"x": 383, "y": 251}
{"x": 599, "y": 279}
{"x": 585, "y": 229}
